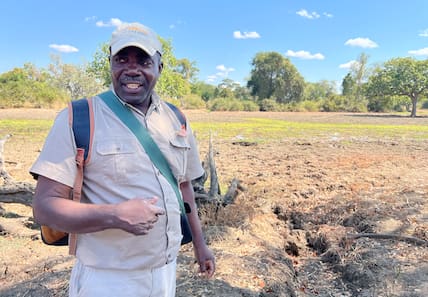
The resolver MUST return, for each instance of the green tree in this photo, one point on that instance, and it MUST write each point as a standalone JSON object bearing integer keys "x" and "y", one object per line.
{"x": 319, "y": 90}
{"x": 99, "y": 67}
{"x": 75, "y": 80}
{"x": 171, "y": 83}
{"x": 28, "y": 87}
{"x": 242, "y": 93}
{"x": 204, "y": 90}
{"x": 274, "y": 76}
{"x": 360, "y": 74}
{"x": 187, "y": 69}
{"x": 353, "y": 86}
{"x": 348, "y": 85}
{"x": 400, "y": 77}
{"x": 226, "y": 88}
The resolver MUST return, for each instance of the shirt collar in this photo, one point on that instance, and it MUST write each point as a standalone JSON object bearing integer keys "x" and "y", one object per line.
{"x": 154, "y": 104}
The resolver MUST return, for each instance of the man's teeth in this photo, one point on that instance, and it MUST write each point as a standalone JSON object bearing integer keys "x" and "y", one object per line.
{"x": 132, "y": 86}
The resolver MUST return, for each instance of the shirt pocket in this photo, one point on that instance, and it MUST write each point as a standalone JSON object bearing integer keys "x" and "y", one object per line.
{"x": 117, "y": 158}
{"x": 178, "y": 159}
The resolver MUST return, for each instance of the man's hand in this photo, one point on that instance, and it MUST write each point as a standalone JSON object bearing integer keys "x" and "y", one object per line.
{"x": 206, "y": 260}
{"x": 138, "y": 215}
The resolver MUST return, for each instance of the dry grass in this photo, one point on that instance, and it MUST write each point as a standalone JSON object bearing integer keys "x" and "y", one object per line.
{"x": 316, "y": 188}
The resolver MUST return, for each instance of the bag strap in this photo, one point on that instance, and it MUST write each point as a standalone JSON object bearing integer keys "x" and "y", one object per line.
{"x": 128, "y": 118}
{"x": 180, "y": 116}
{"x": 80, "y": 118}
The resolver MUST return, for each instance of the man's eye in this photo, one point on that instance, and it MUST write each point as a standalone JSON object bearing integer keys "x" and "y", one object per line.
{"x": 120, "y": 60}
{"x": 146, "y": 63}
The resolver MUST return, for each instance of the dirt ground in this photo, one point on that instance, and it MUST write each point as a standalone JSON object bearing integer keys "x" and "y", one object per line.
{"x": 321, "y": 216}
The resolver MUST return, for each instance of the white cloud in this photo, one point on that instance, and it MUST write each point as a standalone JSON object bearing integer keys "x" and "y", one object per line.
{"x": 176, "y": 24}
{"x": 223, "y": 72}
{"x": 361, "y": 42}
{"x": 348, "y": 65}
{"x": 113, "y": 22}
{"x": 424, "y": 33}
{"x": 328, "y": 15}
{"x": 91, "y": 18}
{"x": 304, "y": 13}
{"x": 64, "y": 48}
{"x": 304, "y": 55}
{"x": 211, "y": 78}
{"x": 419, "y": 52}
{"x": 245, "y": 35}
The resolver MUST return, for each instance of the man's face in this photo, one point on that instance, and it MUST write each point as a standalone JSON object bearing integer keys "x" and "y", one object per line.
{"x": 134, "y": 74}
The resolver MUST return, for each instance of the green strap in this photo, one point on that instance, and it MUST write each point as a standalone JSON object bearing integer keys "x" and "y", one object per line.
{"x": 125, "y": 114}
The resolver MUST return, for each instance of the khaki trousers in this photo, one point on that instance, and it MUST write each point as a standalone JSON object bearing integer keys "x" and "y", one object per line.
{"x": 91, "y": 282}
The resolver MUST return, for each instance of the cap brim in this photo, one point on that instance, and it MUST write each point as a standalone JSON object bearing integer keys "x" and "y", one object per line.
{"x": 118, "y": 46}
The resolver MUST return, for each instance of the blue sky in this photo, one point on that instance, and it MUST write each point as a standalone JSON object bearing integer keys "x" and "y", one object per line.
{"x": 321, "y": 38}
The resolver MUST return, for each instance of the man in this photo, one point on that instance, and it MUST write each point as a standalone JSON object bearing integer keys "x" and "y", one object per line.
{"x": 128, "y": 224}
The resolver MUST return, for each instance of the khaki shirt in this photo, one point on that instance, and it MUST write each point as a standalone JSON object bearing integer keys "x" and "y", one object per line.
{"x": 119, "y": 169}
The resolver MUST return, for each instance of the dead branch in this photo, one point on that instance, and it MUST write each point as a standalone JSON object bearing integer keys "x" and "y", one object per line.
{"x": 232, "y": 192}
{"x": 214, "y": 187}
{"x": 24, "y": 198}
{"x": 3, "y": 173}
{"x": 12, "y": 191}
{"x": 408, "y": 239}
{"x": 213, "y": 195}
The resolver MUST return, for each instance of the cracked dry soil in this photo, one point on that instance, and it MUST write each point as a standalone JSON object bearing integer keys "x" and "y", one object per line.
{"x": 288, "y": 233}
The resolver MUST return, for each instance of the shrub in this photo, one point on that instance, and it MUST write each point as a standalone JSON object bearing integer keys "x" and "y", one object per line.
{"x": 193, "y": 101}
{"x": 269, "y": 105}
{"x": 250, "y": 105}
{"x": 231, "y": 104}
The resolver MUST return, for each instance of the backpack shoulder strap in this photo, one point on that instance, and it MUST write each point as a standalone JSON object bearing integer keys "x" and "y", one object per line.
{"x": 179, "y": 114}
{"x": 82, "y": 122}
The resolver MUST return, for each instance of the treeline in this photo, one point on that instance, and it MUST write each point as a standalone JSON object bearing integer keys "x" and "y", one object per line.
{"x": 274, "y": 84}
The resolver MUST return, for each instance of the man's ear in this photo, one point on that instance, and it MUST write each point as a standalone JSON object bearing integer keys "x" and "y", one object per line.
{"x": 160, "y": 67}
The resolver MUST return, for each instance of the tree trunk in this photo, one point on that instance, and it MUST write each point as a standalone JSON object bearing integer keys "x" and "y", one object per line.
{"x": 414, "y": 102}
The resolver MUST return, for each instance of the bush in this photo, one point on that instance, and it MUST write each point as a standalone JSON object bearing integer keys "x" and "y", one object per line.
{"x": 218, "y": 104}
{"x": 269, "y": 105}
{"x": 231, "y": 104}
{"x": 250, "y": 105}
{"x": 336, "y": 103}
{"x": 306, "y": 105}
{"x": 193, "y": 101}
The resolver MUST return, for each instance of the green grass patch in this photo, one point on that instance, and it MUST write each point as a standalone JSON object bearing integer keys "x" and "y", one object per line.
{"x": 250, "y": 129}
{"x": 36, "y": 129}
{"x": 263, "y": 129}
